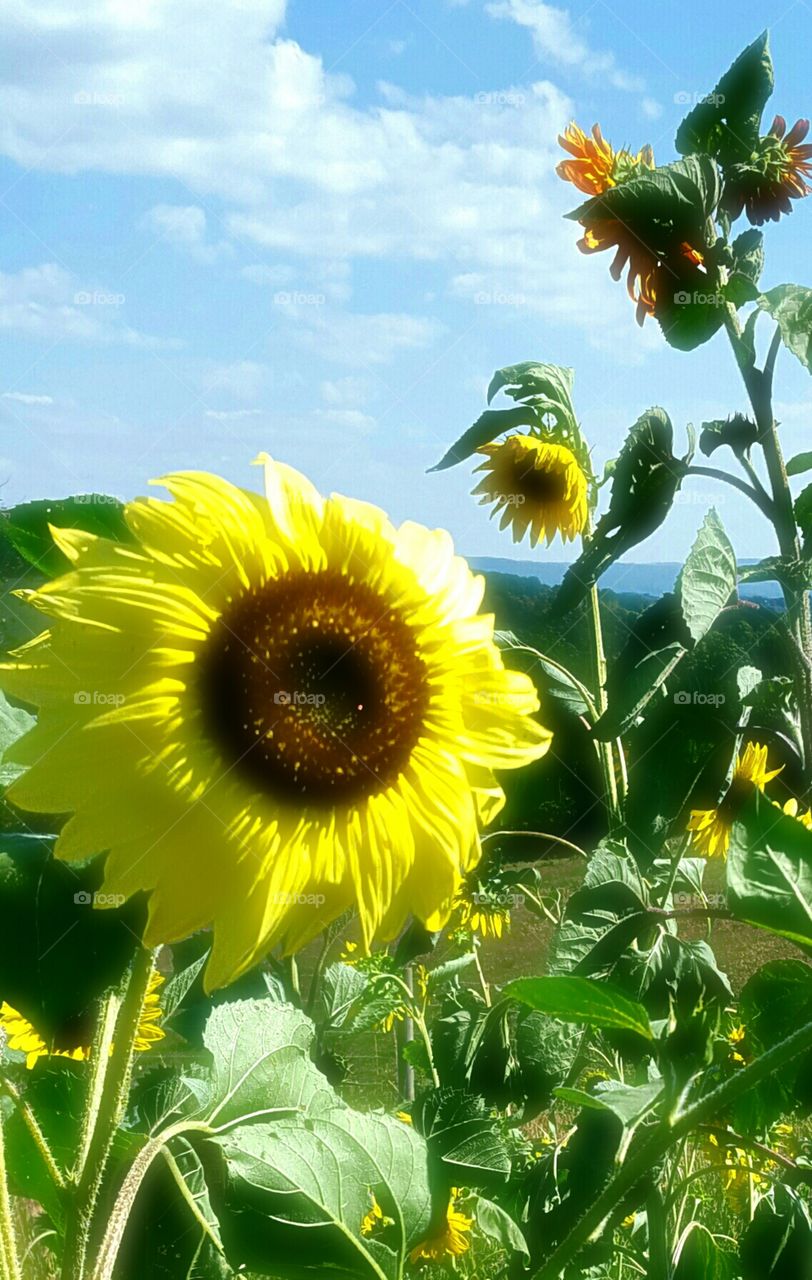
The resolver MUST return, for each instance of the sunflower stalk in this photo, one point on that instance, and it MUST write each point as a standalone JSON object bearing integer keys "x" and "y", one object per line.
{"x": 11, "y": 1269}
{"x": 35, "y": 1132}
{"x": 106, "y": 1104}
{"x": 605, "y": 752}
{"x": 662, "y": 1137}
{"x": 759, "y": 386}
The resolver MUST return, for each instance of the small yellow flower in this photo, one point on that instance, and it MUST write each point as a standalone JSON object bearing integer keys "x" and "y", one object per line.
{"x": 536, "y": 486}
{"x": 375, "y": 1219}
{"x": 348, "y": 955}
{"x": 23, "y": 1037}
{"x": 422, "y": 976}
{"x": 450, "y": 1239}
{"x": 387, "y": 1023}
{"x": 710, "y": 828}
{"x": 404, "y": 1117}
{"x": 735, "y": 1038}
{"x": 488, "y": 919}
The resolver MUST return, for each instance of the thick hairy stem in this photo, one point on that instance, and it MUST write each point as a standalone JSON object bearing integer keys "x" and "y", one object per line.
{"x": 107, "y": 1103}
{"x": 8, "y": 1237}
{"x": 606, "y": 755}
{"x": 661, "y": 1138}
{"x": 37, "y": 1136}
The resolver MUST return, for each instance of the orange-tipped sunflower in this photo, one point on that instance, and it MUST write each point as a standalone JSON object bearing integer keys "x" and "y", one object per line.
{"x": 265, "y": 710}
{"x": 765, "y": 185}
{"x": 595, "y": 165}
{"x": 537, "y": 487}
{"x": 451, "y": 1239}
{"x": 23, "y": 1037}
{"x": 631, "y": 253}
{"x": 710, "y": 828}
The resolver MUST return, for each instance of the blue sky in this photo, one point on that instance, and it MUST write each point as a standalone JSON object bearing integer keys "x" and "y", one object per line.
{"x": 317, "y": 228}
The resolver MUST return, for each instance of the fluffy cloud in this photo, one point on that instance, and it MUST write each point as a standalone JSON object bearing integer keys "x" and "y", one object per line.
{"x": 557, "y": 38}
{"x": 47, "y": 302}
{"x": 184, "y": 227}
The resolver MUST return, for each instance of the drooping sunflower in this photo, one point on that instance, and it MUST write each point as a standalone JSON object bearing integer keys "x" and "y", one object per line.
{"x": 765, "y": 184}
{"x": 266, "y": 710}
{"x": 23, "y": 1037}
{"x": 710, "y": 828}
{"x": 536, "y": 486}
{"x": 479, "y": 915}
{"x": 451, "y": 1238}
{"x": 595, "y": 166}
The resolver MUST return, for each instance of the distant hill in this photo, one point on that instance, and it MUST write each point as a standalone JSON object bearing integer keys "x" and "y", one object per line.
{"x": 636, "y": 579}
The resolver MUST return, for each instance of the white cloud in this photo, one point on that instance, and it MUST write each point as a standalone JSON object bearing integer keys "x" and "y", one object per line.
{"x": 232, "y": 415}
{"x": 346, "y": 393}
{"x": 48, "y": 302}
{"x": 652, "y": 109}
{"x": 25, "y": 397}
{"x": 557, "y": 38}
{"x": 244, "y": 379}
{"x": 351, "y": 419}
{"x": 184, "y": 227}
{"x": 349, "y": 338}
{"x": 262, "y": 274}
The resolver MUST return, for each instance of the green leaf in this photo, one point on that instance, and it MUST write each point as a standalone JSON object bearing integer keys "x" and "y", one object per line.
{"x": 803, "y": 514}
{"x": 297, "y": 1196}
{"x": 553, "y": 680}
{"x": 260, "y": 1053}
{"x": 796, "y": 574}
{"x": 769, "y": 870}
{"x": 726, "y": 123}
{"x": 489, "y": 425}
{"x": 497, "y": 1225}
{"x": 777, "y": 1243}
{"x": 630, "y": 1103}
{"x": 14, "y": 722}
{"x": 531, "y": 379}
{"x": 581, "y": 1000}
{"x": 462, "y": 1136}
{"x": 737, "y": 432}
{"x": 740, "y": 289}
{"x": 708, "y": 577}
{"x": 54, "y": 1092}
{"x": 790, "y": 305}
{"x": 800, "y": 463}
{"x": 700, "y": 1255}
{"x": 748, "y": 254}
{"x": 27, "y": 526}
{"x": 656, "y": 642}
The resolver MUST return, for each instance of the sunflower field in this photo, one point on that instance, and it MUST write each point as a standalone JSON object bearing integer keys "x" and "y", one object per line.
{"x": 296, "y": 980}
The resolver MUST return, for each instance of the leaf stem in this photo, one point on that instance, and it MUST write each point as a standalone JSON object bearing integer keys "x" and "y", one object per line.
{"x": 8, "y": 1237}
{"x": 37, "y": 1136}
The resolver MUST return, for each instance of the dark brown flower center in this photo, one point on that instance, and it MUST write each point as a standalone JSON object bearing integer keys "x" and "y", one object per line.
{"x": 541, "y": 486}
{"x": 312, "y": 687}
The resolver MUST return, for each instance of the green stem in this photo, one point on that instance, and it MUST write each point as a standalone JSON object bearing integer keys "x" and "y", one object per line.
{"x": 658, "y": 1267}
{"x": 605, "y": 753}
{"x": 8, "y": 1238}
{"x": 107, "y": 1101}
{"x": 758, "y": 496}
{"x": 663, "y": 1136}
{"x": 37, "y": 1136}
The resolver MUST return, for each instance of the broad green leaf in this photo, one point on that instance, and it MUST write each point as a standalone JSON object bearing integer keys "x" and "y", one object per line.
{"x": 708, "y": 577}
{"x": 551, "y": 382}
{"x": 442, "y": 974}
{"x": 748, "y": 254}
{"x": 553, "y": 680}
{"x": 180, "y": 984}
{"x": 630, "y": 1103}
{"x": 496, "y": 1224}
{"x": 581, "y": 1000}
{"x": 656, "y": 642}
{"x": 699, "y": 1255}
{"x": 298, "y": 1195}
{"x": 777, "y": 1244}
{"x": 726, "y": 122}
{"x": 27, "y": 526}
{"x": 790, "y": 305}
{"x": 489, "y": 425}
{"x": 803, "y": 515}
{"x": 769, "y": 870}
{"x": 14, "y": 722}
{"x": 341, "y": 987}
{"x": 800, "y": 463}
{"x": 462, "y": 1136}
{"x": 261, "y": 1060}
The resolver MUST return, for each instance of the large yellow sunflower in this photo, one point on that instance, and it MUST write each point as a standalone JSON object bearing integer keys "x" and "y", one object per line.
{"x": 710, "y": 828}
{"x": 536, "y": 486}
{"x": 267, "y": 710}
{"x": 23, "y": 1037}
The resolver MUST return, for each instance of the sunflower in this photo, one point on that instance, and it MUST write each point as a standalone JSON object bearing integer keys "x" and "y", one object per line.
{"x": 793, "y": 810}
{"x": 536, "y": 486}
{"x": 490, "y": 919}
{"x": 710, "y": 828}
{"x": 595, "y": 165}
{"x": 267, "y": 710}
{"x": 23, "y": 1037}
{"x": 631, "y": 253}
{"x": 773, "y": 176}
{"x": 375, "y": 1219}
{"x": 450, "y": 1238}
